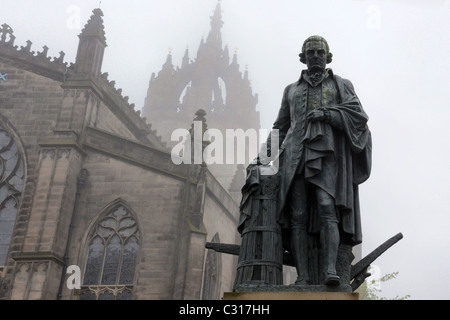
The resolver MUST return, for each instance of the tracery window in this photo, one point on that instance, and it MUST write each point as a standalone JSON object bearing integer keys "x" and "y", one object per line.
{"x": 11, "y": 186}
{"x": 112, "y": 257}
{"x": 213, "y": 273}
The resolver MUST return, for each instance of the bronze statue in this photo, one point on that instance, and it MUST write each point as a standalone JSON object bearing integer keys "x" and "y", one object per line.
{"x": 325, "y": 153}
{"x": 302, "y": 209}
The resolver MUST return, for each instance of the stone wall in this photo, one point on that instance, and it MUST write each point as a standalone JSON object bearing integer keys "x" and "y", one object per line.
{"x": 29, "y": 105}
{"x": 154, "y": 198}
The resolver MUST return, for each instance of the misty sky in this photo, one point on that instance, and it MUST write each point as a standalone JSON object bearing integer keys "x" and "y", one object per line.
{"x": 396, "y": 53}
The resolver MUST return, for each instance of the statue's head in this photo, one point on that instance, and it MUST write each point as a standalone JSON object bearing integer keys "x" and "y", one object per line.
{"x": 316, "y": 53}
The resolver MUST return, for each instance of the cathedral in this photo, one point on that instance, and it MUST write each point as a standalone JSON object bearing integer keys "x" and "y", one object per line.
{"x": 213, "y": 82}
{"x": 92, "y": 206}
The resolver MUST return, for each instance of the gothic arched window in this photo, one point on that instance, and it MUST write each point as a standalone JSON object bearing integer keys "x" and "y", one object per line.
{"x": 213, "y": 273}
{"x": 111, "y": 257}
{"x": 11, "y": 185}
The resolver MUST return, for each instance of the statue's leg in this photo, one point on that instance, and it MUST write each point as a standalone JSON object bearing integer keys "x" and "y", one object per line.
{"x": 329, "y": 235}
{"x": 299, "y": 235}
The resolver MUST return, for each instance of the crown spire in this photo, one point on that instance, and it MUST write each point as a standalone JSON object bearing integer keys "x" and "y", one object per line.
{"x": 185, "y": 61}
{"x": 216, "y": 25}
{"x": 168, "y": 64}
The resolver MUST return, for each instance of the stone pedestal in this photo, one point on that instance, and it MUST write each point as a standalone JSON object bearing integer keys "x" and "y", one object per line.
{"x": 291, "y": 296}
{"x": 346, "y": 288}
{"x": 291, "y": 292}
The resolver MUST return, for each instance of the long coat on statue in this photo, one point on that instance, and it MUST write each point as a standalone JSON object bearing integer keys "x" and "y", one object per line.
{"x": 336, "y": 160}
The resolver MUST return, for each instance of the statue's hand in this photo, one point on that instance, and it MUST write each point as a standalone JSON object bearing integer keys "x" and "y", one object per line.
{"x": 316, "y": 115}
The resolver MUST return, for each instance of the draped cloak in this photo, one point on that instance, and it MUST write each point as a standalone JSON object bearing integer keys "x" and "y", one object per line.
{"x": 336, "y": 160}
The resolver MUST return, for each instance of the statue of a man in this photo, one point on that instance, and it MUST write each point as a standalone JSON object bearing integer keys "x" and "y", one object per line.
{"x": 325, "y": 153}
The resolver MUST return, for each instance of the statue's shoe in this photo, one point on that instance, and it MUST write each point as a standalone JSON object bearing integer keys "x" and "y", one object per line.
{"x": 302, "y": 282}
{"x": 332, "y": 280}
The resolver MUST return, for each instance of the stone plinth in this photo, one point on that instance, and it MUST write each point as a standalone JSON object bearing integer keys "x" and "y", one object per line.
{"x": 291, "y": 296}
{"x": 345, "y": 288}
{"x": 291, "y": 292}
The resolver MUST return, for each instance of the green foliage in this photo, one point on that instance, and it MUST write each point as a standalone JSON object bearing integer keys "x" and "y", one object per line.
{"x": 370, "y": 290}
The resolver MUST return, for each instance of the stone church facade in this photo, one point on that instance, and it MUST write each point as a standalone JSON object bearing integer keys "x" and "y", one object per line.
{"x": 88, "y": 186}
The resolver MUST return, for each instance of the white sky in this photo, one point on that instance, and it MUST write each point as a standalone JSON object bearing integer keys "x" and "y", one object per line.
{"x": 396, "y": 53}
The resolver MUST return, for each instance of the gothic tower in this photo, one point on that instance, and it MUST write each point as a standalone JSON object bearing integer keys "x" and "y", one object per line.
{"x": 210, "y": 82}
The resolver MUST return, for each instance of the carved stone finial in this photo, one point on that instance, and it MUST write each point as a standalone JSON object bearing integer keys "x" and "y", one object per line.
{"x": 200, "y": 116}
{"x": 185, "y": 61}
{"x": 216, "y": 19}
{"x": 60, "y": 59}
{"x": 5, "y": 31}
{"x": 168, "y": 65}
{"x": 91, "y": 46}
{"x": 27, "y": 48}
{"x": 235, "y": 57}
{"x": 44, "y": 52}
{"x": 94, "y": 27}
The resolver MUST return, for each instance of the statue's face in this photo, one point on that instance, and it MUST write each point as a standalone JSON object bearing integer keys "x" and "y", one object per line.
{"x": 316, "y": 55}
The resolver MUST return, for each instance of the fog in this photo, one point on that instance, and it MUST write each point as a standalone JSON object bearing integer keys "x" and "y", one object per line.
{"x": 394, "y": 52}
